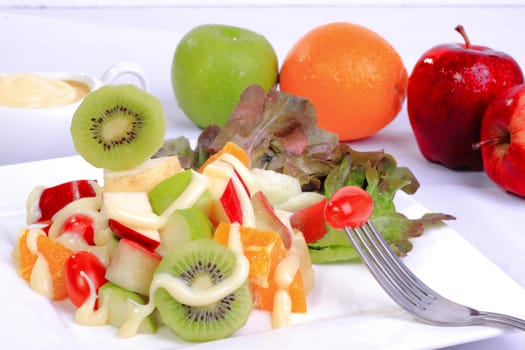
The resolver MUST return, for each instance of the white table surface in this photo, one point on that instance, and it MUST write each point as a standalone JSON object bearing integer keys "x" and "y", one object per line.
{"x": 92, "y": 39}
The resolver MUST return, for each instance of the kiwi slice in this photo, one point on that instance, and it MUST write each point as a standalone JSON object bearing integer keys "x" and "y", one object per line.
{"x": 118, "y": 127}
{"x": 194, "y": 261}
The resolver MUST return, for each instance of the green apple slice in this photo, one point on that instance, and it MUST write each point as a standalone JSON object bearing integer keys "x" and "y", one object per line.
{"x": 168, "y": 190}
{"x": 117, "y": 298}
{"x": 182, "y": 190}
{"x": 184, "y": 225}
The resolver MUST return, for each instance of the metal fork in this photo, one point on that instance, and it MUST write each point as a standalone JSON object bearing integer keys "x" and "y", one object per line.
{"x": 410, "y": 292}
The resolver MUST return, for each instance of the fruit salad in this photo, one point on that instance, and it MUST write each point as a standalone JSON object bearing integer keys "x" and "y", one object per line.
{"x": 200, "y": 248}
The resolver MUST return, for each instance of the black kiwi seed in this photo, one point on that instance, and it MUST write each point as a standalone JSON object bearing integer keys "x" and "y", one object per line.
{"x": 118, "y": 127}
{"x": 194, "y": 259}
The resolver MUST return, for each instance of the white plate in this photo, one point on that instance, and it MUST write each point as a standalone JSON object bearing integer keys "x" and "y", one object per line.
{"x": 346, "y": 307}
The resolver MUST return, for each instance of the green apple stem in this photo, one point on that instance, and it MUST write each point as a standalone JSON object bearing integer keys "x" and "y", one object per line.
{"x": 459, "y": 28}
{"x": 500, "y": 139}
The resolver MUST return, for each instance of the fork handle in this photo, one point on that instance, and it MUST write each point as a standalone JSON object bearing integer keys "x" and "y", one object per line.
{"x": 500, "y": 319}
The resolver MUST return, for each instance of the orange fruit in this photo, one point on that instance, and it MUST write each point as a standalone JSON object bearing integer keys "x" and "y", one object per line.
{"x": 264, "y": 250}
{"x": 231, "y": 148}
{"x": 52, "y": 251}
{"x": 354, "y": 78}
{"x": 26, "y": 259}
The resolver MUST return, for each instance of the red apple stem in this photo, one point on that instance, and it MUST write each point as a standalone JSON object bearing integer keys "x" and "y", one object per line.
{"x": 459, "y": 28}
{"x": 478, "y": 145}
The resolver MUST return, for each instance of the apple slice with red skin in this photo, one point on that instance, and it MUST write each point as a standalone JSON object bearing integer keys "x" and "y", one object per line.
{"x": 77, "y": 286}
{"x": 503, "y": 140}
{"x": 231, "y": 203}
{"x": 310, "y": 221}
{"x": 150, "y": 239}
{"x": 132, "y": 266}
{"x": 52, "y": 199}
{"x": 82, "y": 225}
{"x": 266, "y": 219}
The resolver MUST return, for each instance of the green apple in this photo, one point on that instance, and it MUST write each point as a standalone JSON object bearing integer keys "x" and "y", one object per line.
{"x": 184, "y": 225}
{"x": 213, "y": 64}
{"x": 118, "y": 308}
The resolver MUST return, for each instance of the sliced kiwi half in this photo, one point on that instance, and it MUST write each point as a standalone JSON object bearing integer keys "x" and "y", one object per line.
{"x": 194, "y": 261}
{"x": 118, "y": 127}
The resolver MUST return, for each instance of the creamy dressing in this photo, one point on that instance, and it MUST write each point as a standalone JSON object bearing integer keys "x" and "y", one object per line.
{"x": 86, "y": 314}
{"x": 40, "y": 280}
{"x": 75, "y": 243}
{"x": 80, "y": 206}
{"x": 185, "y": 294}
{"x": 282, "y": 309}
{"x": 234, "y": 239}
{"x": 284, "y": 275}
{"x": 218, "y": 174}
{"x": 136, "y": 314}
{"x": 33, "y": 212}
{"x": 29, "y": 90}
{"x": 246, "y": 175}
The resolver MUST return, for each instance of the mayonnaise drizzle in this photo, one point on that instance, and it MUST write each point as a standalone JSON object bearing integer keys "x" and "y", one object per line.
{"x": 86, "y": 313}
{"x": 40, "y": 280}
{"x": 284, "y": 275}
{"x": 246, "y": 175}
{"x": 185, "y": 294}
{"x": 33, "y": 212}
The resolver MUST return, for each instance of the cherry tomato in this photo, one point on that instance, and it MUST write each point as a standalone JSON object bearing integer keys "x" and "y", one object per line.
{"x": 349, "y": 206}
{"x": 76, "y": 285}
{"x": 80, "y": 224}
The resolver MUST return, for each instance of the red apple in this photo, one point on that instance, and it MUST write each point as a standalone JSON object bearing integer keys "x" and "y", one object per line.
{"x": 82, "y": 225}
{"x": 449, "y": 89}
{"x": 48, "y": 201}
{"x": 267, "y": 219}
{"x": 147, "y": 238}
{"x": 132, "y": 266}
{"x": 231, "y": 203}
{"x": 503, "y": 140}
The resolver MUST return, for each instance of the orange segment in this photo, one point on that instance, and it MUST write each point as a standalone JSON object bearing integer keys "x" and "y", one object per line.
{"x": 26, "y": 259}
{"x": 55, "y": 255}
{"x": 264, "y": 250}
{"x": 263, "y": 297}
{"x": 232, "y": 149}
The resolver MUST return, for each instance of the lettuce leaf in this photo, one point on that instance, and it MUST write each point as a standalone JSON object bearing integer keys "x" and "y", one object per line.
{"x": 279, "y": 131}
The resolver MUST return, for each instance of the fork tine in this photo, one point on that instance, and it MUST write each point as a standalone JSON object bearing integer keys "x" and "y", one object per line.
{"x": 376, "y": 268}
{"x": 398, "y": 267}
{"x": 398, "y": 281}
